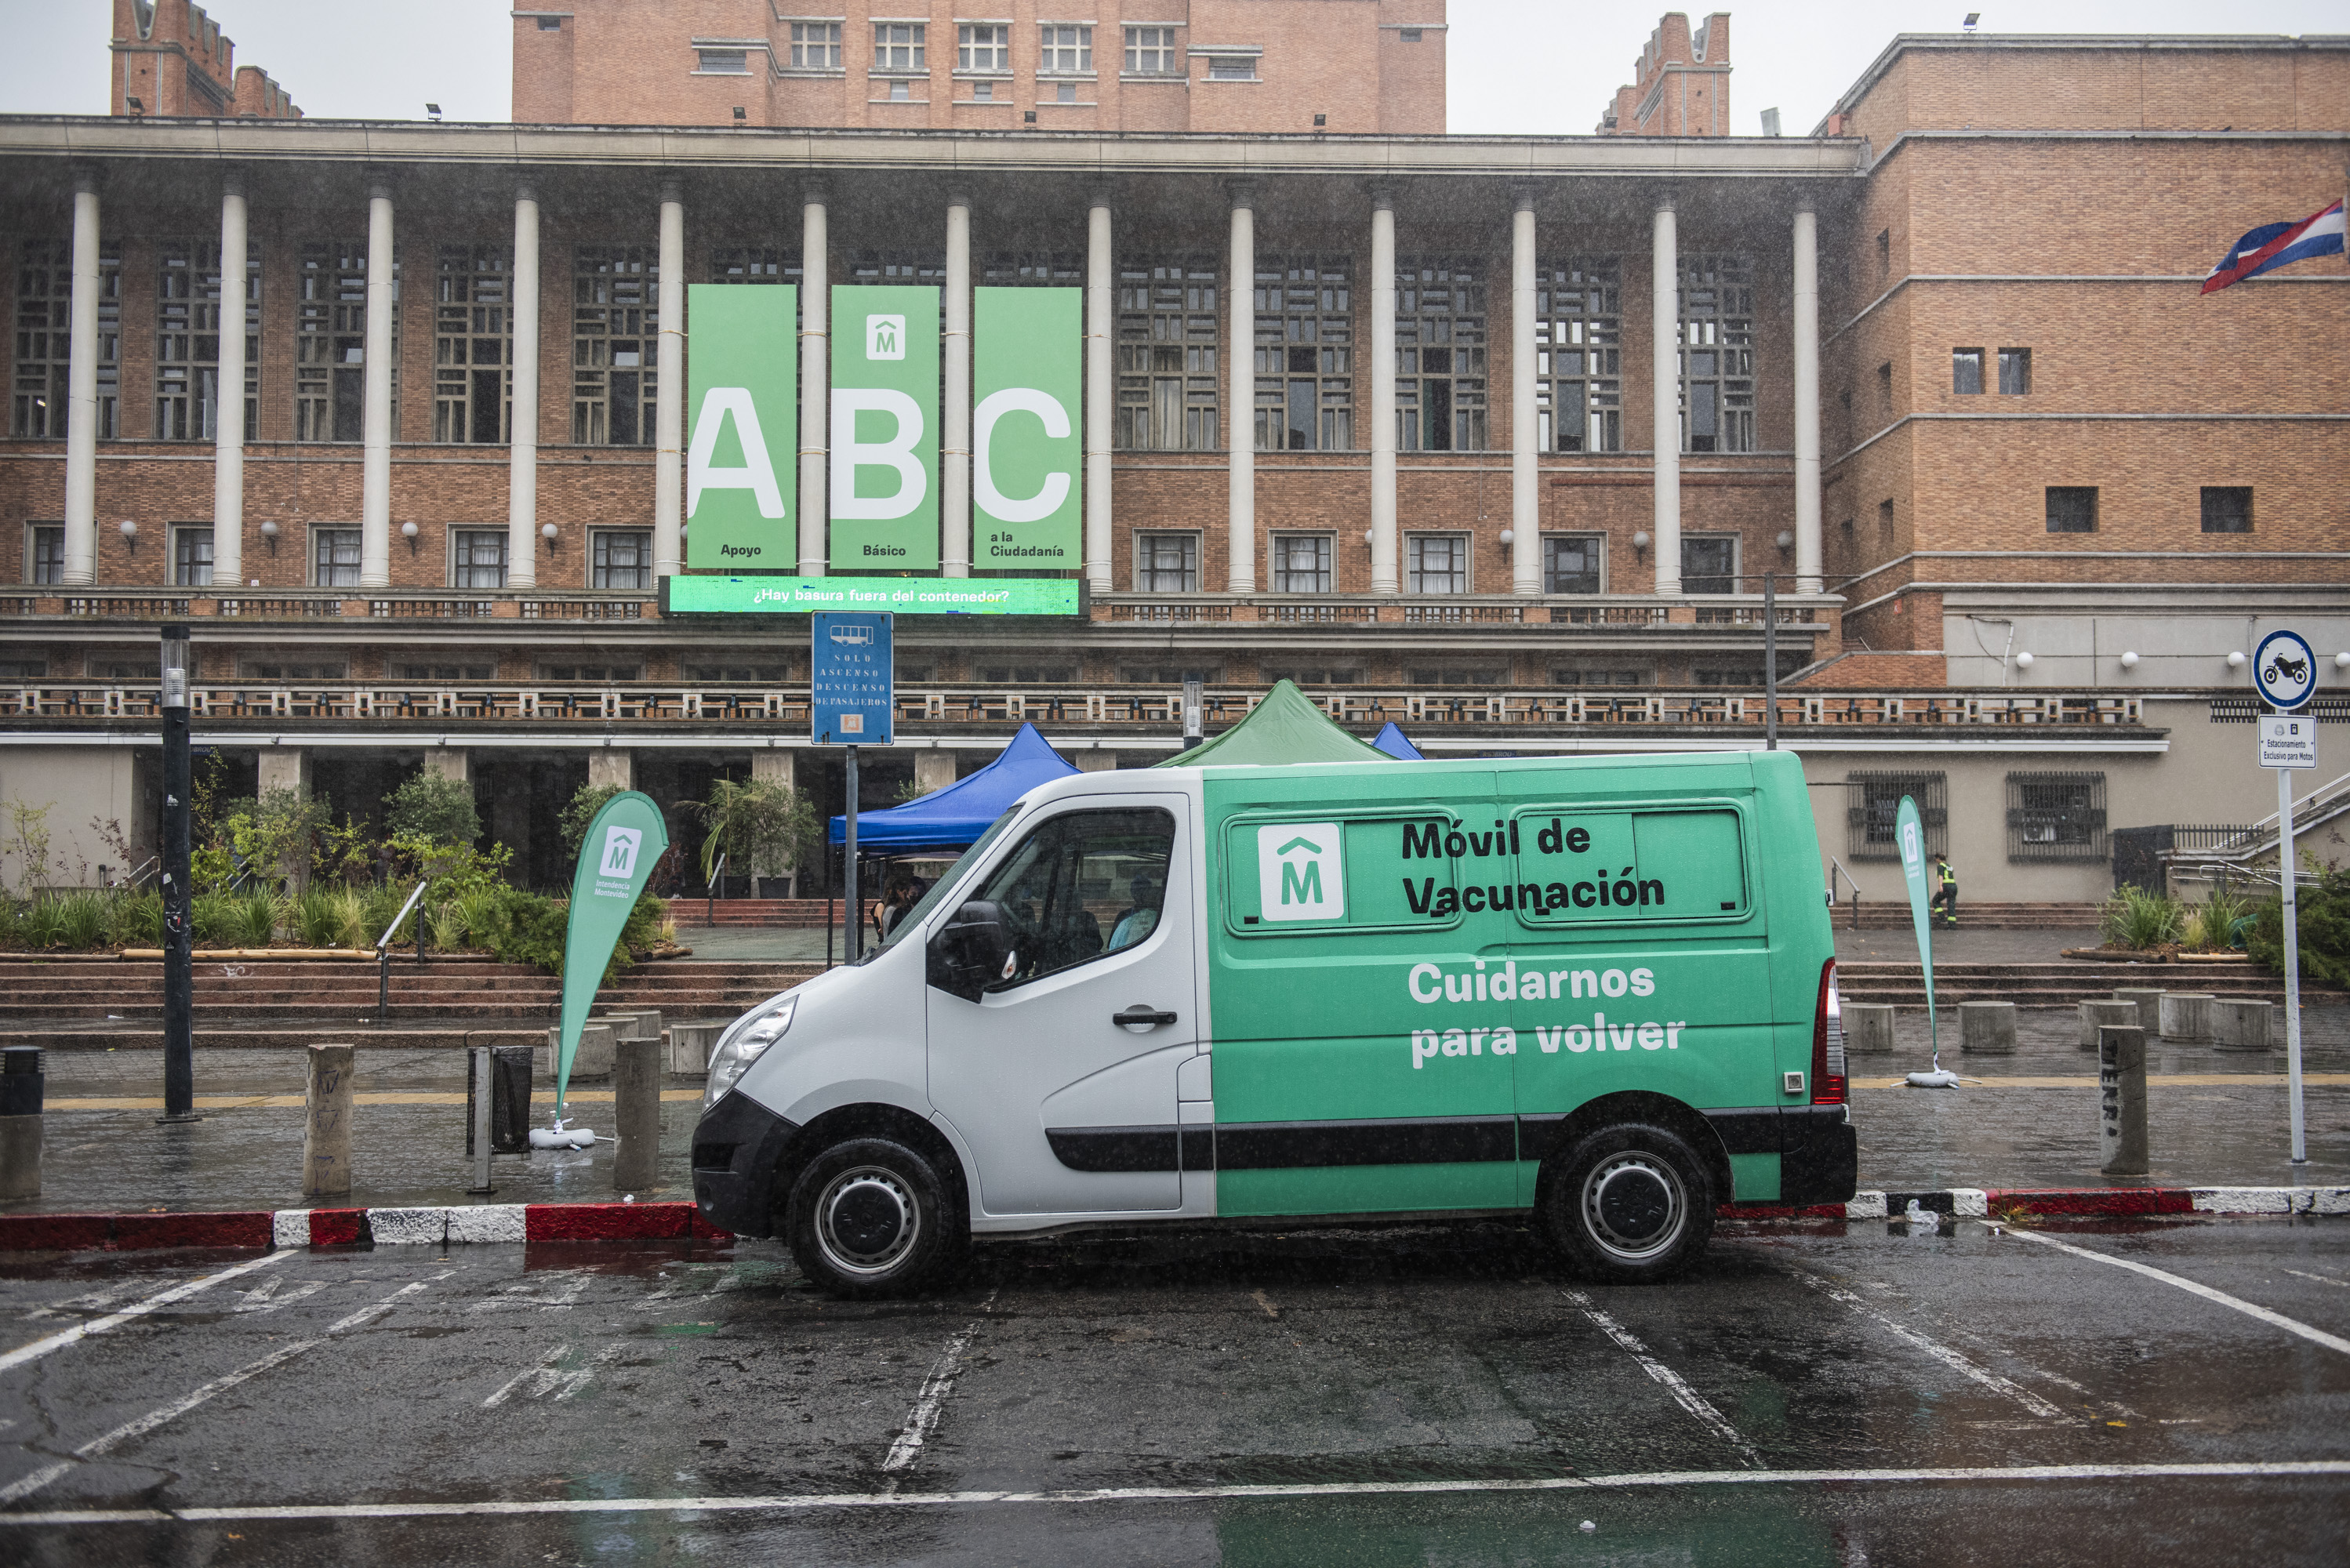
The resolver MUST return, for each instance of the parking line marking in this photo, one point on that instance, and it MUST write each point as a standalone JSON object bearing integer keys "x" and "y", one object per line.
{"x": 2290, "y": 1325}
{"x": 2322, "y": 1279}
{"x": 1940, "y": 1352}
{"x": 80, "y": 1331}
{"x": 1687, "y": 1397}
{"x": 2281, "y": 1469}
{"x": 929, "y": 1404}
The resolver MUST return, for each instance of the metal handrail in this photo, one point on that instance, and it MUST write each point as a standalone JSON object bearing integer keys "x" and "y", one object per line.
{"x": 384, "y": 941}
{"x": 383, "y": 953}
{"x": 1836, "y": 868}
{"x": 2318, "y": 805}
{"x": 131, "y": 883}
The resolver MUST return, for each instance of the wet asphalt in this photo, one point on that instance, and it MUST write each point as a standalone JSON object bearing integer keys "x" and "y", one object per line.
{"x": 1420, "y": 1395}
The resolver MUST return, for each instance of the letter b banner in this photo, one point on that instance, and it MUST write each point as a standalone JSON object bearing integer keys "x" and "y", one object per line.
{"x": 884, "y": 428}
{"x": 741, "y": 467}
{"x": 1026, "y": 462}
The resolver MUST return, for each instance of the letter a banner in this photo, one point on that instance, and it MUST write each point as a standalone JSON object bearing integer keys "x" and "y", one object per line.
{"x": 741, "y": 453}
{"x": 1026, "y": 489}
{"x": 884, "y": 428}
{"x": 616, "y": 860}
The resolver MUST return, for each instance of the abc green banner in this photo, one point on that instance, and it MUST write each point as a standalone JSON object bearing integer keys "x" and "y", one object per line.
{"x": 742, "y": 452}
{"x": 616, "y": 860}
{"x": 884, "y": 428}
{"x": 1026, "y": 460}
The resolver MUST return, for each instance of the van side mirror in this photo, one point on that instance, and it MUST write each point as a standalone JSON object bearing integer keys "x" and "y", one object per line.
{"x": 969, "y": 952}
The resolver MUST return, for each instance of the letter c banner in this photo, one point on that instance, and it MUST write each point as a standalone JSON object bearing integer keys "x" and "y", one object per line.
{"x": 1411, "y": 983}
{"x": 992, "y": 502}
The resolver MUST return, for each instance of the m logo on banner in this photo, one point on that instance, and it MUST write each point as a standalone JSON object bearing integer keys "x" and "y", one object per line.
{"x": 1301, "y": 872}
{"x": 885, "y": 337}
{"x": 620, "y": 852}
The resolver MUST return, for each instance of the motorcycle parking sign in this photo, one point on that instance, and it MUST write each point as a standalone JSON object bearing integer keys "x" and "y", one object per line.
{"x": 2285, "y": 670}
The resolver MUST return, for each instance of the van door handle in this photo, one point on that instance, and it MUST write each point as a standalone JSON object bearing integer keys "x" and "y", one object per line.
{"x": 1138, "y": 1015}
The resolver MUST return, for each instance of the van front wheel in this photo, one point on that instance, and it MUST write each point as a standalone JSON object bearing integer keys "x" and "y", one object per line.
{"x": 1628, "y": 1203}
{"x": 870, "y": 1218}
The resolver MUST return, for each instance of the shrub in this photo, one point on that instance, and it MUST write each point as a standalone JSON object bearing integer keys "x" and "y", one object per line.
{"x": 12, "y": 923}
{"x": 379, "y": 905}
{"x": 44, "y": 923}
{"x": 431, "y": 808}
{"x": 257, "y": 917}
{"x": 81, "y": 920}
{"x": 762, "y": 829}
{"x": 2323, "y": 918}
{"x": 136, "y": 921}
{"x": 530, "y": 930}
{"x": 585, "y": 802}
{"x": 316, "y": 919}
{"x": 2134, "y": 918}
{"x": 217, "y": 919}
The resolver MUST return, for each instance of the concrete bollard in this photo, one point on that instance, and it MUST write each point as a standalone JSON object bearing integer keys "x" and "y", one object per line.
{"x": 2097, "y": 1013}
{"x": 2148, "y": 1003}
{"x": 2121, "y": 1095}
{"x": 1987, "y": 1028}
{"x": 21, "y": 1082}
{"x": 2241, "y": 1026}
{"x": 326, "y": 1123}
{"x": 481, "y": 1102}
{"x": 2186, "y": 1015}
{"x": 636, "y": 1120}
{"x": 690, "y": 1045}
{"x": 625, "y": 1026}
{"x": 1868, "y": 1028}
{"x": 592, "y": 1060}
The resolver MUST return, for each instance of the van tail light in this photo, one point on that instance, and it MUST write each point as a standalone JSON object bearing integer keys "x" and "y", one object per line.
{"x": 1827, "y": 1041}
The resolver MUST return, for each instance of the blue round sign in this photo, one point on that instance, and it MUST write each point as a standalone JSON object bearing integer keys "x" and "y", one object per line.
{"x": 2285, "y": 670}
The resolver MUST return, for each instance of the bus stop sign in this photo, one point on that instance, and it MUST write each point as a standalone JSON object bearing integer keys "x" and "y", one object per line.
{"x": 850, "y": 676}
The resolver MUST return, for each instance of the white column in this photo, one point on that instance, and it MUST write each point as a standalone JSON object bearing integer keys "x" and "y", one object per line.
{"x": 1525, "y": 482}
{"x": 1807, "y": 400}
{"x": 1665, "y": 365}
{"x": 815, "y": 380}
{"x": 954, "y": 439}
{"x": 522, "y": 443}
{"x": 1385, "y": 577}
{"x": 375, "y": 455}
{"x": 1240, "y": 400}
{"x": 669, "y": 393}
{"x": 228, "y": 430}
{"x": 1101, "y": 388}
{"x": 81, "y": 394}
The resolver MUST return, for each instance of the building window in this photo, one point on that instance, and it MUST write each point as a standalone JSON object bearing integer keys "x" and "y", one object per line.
{"x": 615, "y": 340}
{"x": 477, "y": 558}
{"x": 1033, "y": 269}
{"x": 603, "y": 672}
{"x": 1407, "y": 35}
{"x": 929, "y": 267}
{"x": 1579, "y": 336}
{"x": 754, "y": 263}
{"x": 723, "y": 62}
{"x": 1571, "y": 563}
{"x": 2227, "y": 509}
{"x": 982, "y": 92}
{"x": 1873, "y": 808}
{"x": 45, "y": 554}
{"x": 1167, "y": 356}
{"x": 1067, "y": 51}
{"x": 188, "y": 320}
{"x": 2072, "y": 509}
{"x": 1885, "y": 521}
{"x": 815, "y": 45}
{"x": 550, "y": 24}
{"x": 2056, "y": 816}
{"x": 1304, "y": 354}
{"x": 473, "y": 345}
{"x": 1150, "y": 52}
{"x": 1231, "y": 67}
{"x": 1301, "y": 562}
{"x": 1966, "y": 371}
{"x": 277, "y": 667}
{"x": 1740, "y": 675}
{"x": 623, "y": 558}
{"x": 407, "y": 671}
{"x": 1437, "y": 563}
{"x": 191, "y": 555}
{"x": 44, "y": 339}
{"x": 897, "y": 46}
{"x": 1167, "y": 562}
{"x": 1452, "y": 674}
{"x": 1577, "y": 675}
{"x": 901, "y": 92}
{"x": 335, "y": 557}
{"x": 1709, "y": 563}
{"x": 1717, "y": 354}
{"x": 1884, "y": 387}
{"x": 2015, "y": 371}
{"x": 983, "y": 46}
{"x": 1439, "y": 356}
{"x": 331, "y": 343}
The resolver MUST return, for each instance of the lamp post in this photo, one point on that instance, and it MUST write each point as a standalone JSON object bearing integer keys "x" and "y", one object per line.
{"x": 178, "y": 959}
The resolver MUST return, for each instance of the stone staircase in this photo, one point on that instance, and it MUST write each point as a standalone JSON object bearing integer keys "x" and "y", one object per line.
{"x": 2059, "y": 985}
{"x": 1887, "y": 914}
{"x": 786, "y": 914}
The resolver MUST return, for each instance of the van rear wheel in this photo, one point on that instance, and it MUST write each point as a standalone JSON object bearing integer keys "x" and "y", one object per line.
{"x": 870, "y": 1218}
{"x": 1628, "y": 1203}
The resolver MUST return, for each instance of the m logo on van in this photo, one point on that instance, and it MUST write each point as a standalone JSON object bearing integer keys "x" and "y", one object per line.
{"x": 1301, "y": 870}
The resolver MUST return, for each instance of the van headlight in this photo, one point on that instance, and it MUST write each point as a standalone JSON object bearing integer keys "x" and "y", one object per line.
{"x": 740, "y": 1046}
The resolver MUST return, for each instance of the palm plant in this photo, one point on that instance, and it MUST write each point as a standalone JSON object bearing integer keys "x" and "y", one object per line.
{"x": 2134, "y": 918}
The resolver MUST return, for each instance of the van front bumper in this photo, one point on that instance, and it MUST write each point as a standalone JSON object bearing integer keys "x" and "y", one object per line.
{"x": 738, "y": 1148}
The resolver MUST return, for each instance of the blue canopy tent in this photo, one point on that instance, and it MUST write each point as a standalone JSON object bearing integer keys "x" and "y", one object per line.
{"x": 1397, "y": 745}
{"x": 953, "y": 817}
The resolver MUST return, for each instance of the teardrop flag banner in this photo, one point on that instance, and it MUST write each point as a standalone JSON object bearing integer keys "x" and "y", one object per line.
{"x": 1911, "y": 834}
{"x": 616, "y": 856}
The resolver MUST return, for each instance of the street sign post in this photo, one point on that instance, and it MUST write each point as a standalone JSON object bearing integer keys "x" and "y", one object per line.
{"x": 851, "y": 702}
{"x": 2284, "y": 669}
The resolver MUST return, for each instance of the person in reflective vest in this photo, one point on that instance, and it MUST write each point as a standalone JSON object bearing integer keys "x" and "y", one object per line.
{"x": 1946, "y": 890}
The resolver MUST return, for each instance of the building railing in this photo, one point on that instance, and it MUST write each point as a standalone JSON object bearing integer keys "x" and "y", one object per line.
{"x": 306, "y": 604}
{"x": 1811, "y": 613}
{"x": 947, "y": 707}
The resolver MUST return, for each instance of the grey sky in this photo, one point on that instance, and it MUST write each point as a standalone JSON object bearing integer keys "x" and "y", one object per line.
{"x": 1518, "y": 66}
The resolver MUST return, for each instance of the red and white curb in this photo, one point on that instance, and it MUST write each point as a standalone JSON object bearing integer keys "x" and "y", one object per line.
{"x": 264, "y": 1228}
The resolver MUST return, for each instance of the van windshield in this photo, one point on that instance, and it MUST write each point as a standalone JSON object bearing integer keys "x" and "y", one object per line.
{"x": 912, "y": 919}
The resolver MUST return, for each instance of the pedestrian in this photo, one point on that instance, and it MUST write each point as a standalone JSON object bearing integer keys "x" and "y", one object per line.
{"x": 1946, "y": 890}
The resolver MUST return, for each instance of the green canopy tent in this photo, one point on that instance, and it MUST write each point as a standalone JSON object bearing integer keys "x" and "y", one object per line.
{"x": 1285, "y": 728}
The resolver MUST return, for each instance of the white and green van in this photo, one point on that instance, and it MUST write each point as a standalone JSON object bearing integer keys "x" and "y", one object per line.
{"x": 1601, "y": 990}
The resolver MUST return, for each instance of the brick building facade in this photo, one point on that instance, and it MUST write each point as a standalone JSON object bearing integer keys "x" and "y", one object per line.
{"x": 172, "y": 60}
{"x": 1681, "y": 83}
{"x": 1383, "y": 417}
